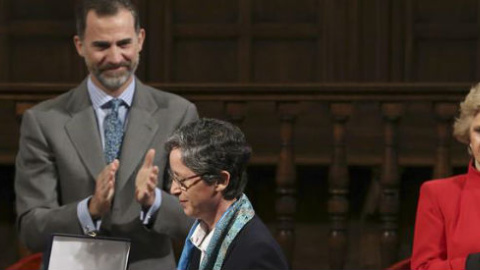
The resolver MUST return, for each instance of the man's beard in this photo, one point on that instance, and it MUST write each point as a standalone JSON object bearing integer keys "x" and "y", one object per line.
{"x": 116, "y": 80}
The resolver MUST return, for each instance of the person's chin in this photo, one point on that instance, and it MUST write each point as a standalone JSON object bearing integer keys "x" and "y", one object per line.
{"x": 187, "y": 210}
{"x": 114, "y": 82}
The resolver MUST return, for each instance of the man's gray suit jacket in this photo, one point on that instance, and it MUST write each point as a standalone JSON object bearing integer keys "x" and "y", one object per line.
{"x": 60, "y": 155}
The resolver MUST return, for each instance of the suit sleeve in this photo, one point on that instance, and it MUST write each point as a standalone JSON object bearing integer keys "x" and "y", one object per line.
{"x": 36, "y": 184}
{"x": 170, "y": 218}
{"x": 429, "y": 244}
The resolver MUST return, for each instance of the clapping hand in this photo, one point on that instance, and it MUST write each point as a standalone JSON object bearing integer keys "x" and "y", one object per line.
{"x": 101, "y": 201}
{"x": 146, "y": 181}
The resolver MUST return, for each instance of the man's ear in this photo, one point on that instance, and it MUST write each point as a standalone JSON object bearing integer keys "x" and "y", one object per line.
{"x": 78, "y": 45}
{"x": 141, "y": 39}
{"x": 223, "y": 182}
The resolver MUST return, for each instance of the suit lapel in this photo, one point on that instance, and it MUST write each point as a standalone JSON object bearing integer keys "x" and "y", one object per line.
{"x": 141, "y": 129}
{"x": 83, "y": 130}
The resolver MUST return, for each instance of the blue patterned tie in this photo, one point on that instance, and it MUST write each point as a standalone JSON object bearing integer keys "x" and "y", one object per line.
{"x": 113, "y": 129}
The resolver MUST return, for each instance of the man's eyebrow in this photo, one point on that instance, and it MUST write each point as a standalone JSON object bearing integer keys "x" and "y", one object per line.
{"x": 102, "y": 44}
{"x": 124, "y": 41}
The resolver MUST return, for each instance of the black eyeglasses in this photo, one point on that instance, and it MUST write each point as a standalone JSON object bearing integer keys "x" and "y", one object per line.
{"x": 181, "y": 181}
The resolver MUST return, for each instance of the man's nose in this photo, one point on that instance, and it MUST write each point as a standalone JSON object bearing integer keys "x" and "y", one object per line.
{"x": 115, "y": 55}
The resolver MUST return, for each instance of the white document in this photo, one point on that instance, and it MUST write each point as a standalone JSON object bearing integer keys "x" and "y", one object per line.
{"x": 88, "y": 253}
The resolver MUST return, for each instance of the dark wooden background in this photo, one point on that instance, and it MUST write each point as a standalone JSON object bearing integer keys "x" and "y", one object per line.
{"x": 230, "y": 46}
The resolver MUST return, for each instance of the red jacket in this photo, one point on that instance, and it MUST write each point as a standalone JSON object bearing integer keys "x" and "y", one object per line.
{"x": 447, "y": 227}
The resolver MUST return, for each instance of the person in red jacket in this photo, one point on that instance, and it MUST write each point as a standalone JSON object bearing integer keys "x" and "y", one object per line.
{"x": 447, "y": 227}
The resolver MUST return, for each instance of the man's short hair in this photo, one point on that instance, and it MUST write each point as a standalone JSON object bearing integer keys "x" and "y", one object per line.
{"x": 103, "y": 8}
{"x": 210, "y": 146}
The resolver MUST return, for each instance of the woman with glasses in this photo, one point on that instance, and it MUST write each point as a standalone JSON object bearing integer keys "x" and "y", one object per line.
{"x": 208, "y": 159}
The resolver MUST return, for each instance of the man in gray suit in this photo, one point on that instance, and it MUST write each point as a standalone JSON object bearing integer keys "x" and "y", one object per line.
{"x": 92, "y": 160}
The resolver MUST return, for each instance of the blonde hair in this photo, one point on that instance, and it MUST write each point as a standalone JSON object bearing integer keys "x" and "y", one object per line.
{"x": 468, "y": 110}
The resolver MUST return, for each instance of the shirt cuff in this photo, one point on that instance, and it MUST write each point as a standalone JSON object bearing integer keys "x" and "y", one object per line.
{"x": 89, "y": 226}
{"x": 146, "y": 217}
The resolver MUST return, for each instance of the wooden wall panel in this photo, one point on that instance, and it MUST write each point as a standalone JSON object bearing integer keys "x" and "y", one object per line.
{"x": 40, "y": 46}
{"x": 353, "y": 24}
{"x": 285, "y": 11}
{"x": 397, "y": 35}
{"x": 4, "y": 41}
{"x": 40, "y": 60}
{"x": 442, "y": 41}
{"x": 205, "y": 60}
{"x": 4, "y": 59}
{"x": 208, "y": 11}
{"x": 284, "y": 61}
{"x": 145, "y": 54}
{"x": 381, "y": 40}
{"x": 371, "y": 68}
{"x": 382, "y": 57}
{"x": 336, "y": 39}
{"x": 356, "y": 40}
{"x": 154, "y": 54}
{"x": 245, "y": 42}
{"x": 42, "y": 10}
{"x": 436, "y": 59}
{"x": 446, "y": 11}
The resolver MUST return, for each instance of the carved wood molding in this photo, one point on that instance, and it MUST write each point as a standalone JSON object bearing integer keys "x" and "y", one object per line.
{"x": 333, "y": 92}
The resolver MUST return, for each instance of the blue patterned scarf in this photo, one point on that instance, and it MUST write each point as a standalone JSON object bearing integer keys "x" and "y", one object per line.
{"x": 226, "y": 229}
